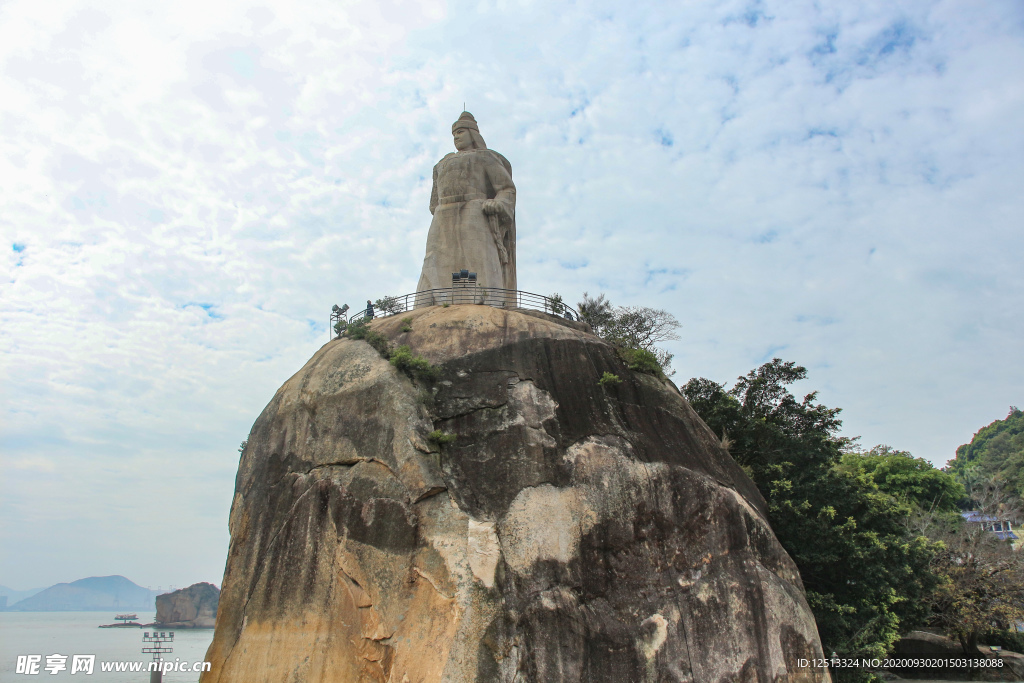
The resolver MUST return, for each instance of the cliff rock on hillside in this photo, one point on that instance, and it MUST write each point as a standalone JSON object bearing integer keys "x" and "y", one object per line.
{"x": 571, "y": 532}
{"x": 192, "y": 607}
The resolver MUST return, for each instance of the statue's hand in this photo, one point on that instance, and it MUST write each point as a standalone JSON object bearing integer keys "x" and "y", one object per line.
{"x": 493, "y": 208}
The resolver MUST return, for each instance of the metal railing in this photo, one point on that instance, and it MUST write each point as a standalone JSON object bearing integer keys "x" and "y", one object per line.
{"x": 454, "y": 296}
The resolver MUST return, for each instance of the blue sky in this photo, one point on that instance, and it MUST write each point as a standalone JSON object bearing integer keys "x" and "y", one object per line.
{"x": 187, "y": 188}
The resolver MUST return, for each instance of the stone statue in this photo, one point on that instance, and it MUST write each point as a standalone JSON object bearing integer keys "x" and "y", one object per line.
{"x": 474, "y": 226}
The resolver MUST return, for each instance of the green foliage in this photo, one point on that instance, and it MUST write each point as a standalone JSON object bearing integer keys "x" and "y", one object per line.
{"x": 855, "y": 675}
{"x": 361, "y": 330}
{"x": 640, "y": 327}
{"x": 388, "y": 305}
{"x": 609, "y": 379}
{"x": 640, "y": 360}
{"x": 406, "y": 324}
{"x": 596, "y": 312}
{"x": 555, "y": 304}
{"x": 415, "y": 366}
{"x": 631, "y": 327}
{"x": 357, "y": 329}
{"x": 996, "y": 453}
{"x": 865, "y": 575}
{"x": 242, "y": 446}
{"x": 402, "y": 358}
{"x": 441, "y": 438}
{"x": 1008, "y": 640}
{"x": 914, "y": 482}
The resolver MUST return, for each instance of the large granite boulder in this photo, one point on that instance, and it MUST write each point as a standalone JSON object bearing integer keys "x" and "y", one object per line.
{"x": 571, "y": 532}
{"x": 192, "y": 607}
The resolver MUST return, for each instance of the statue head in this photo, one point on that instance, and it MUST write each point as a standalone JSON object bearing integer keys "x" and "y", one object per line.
{"x": 467, "y": 133}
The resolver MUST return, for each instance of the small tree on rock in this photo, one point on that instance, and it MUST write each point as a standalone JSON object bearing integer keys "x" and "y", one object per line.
{"x": 631, "y": 327}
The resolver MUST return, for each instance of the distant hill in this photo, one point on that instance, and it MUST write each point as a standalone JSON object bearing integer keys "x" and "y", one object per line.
{"x": 14, "y": 596}
{"x": 92, "y": 594}
{"x": 996, "y": 452}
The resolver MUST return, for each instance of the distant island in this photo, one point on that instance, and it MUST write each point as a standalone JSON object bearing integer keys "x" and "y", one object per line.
{"x": 192, "y": 607}
{"x": 9, "y": 596}
{"x": 85, "y": 595}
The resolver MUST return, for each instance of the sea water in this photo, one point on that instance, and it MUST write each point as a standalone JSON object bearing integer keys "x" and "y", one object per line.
{"x": 76, "y": 633}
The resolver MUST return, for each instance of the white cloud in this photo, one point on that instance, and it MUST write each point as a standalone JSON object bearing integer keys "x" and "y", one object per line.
{"x": 191, "y": 187}
{"x": 36, "y": 463}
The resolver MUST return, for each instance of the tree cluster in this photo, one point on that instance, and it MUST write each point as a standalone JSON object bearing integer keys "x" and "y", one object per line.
{"x": 996, "y": 453}
{"x": 877, "y": 535}
{"x": 631, "y": 327}
{"x": 865, "y": 575}
{"x": 914, "y": 482}
{"x": 981, "y": 577}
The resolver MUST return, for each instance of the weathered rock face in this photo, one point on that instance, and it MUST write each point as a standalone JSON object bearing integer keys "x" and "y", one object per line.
{"x": 192, "y": 607}
{"x": 572, "y": 532}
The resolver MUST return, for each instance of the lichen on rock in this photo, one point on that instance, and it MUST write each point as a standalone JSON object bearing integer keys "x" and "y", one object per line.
{"x": 571, "y": 531}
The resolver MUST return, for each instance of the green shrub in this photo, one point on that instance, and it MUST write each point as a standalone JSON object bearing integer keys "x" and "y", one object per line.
{"x": 416, "y": 367}
{"x": 640, "y": 360}
{"x": 406, "y": 324}
{"x": 360, "y": 330}
{"x": 379, "y": 342}
{"x": 388, "y": 305}
{"x": 609, "y": 379}
{"x": 356, "y": 330}
{"x": 441, "y": 438}
{"x": 1008, "y": 640}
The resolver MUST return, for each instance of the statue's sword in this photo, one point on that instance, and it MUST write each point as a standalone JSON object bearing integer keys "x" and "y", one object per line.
{"x": 499, "y": 239}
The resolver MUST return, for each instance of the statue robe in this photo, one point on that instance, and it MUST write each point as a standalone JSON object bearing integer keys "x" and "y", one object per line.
{"x": 461, "y": 236}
